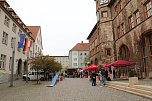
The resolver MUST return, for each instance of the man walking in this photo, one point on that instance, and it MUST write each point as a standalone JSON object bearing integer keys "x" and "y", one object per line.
{"x": 93, "y": 78}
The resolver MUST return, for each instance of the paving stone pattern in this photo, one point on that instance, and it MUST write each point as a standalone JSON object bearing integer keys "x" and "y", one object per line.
{"x": 71, "y": 89}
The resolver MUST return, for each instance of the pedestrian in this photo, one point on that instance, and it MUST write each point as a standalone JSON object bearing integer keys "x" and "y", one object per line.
{"x": 104, "y": 77}
{"x": 100, "y": 78}
{"x": 93, "y": 78}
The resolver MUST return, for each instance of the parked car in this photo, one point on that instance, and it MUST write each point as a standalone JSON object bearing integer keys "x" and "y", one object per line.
{"x": 32, "y": 75}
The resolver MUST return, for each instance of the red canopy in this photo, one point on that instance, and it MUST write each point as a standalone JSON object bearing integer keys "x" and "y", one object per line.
{"x": 122, "y": 63}
{"x": 92, "y": 67}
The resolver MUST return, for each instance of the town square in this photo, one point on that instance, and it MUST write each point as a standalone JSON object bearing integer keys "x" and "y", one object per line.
{"x": 76, "y": 50}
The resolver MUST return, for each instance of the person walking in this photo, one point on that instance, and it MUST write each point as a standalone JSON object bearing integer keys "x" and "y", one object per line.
{"x": 104, "y": 77}
{"x": 93, "y": 76}
{"x": 100, "y": 78}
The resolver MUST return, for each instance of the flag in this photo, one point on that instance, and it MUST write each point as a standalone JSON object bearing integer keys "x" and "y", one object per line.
{"x": 31, "y": 43}
{"x": 26, "y": 44}
{"x": 22, "y": 38}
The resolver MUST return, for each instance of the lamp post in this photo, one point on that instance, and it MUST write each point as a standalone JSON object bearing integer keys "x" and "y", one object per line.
{"x": 12, "y": 66}
{"x": 27, "y": 67}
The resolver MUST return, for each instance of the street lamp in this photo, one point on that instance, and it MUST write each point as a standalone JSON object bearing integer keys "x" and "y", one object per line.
{"x": 12, "y": 66}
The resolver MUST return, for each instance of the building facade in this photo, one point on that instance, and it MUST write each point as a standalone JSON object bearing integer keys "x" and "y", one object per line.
{"x": 77, "y": 55}
{"x": 132, "y": 24}
{"x": 63, "y": 60}
{"x": 101, "y": 37}
{"x": 36, "y": 34}
{"x": 11, "y": 29}
{"x": 131, "y": 28}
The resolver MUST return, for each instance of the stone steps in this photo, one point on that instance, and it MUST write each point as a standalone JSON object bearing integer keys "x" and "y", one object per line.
{"x": 144, "y": 91}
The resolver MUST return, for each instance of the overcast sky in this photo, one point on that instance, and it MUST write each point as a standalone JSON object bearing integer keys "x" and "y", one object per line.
{"x": 64, "y": 23}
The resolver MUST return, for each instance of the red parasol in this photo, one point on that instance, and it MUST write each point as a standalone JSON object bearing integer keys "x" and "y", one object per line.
{"x": 92, "y": 67}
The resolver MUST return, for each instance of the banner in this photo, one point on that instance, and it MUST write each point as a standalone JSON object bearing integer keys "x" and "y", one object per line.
{"x": 22, "y": 38}
{"x": 26, "y": 44}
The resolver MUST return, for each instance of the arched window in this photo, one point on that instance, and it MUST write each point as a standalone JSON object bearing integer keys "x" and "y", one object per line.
{"x": 124, "y": 53}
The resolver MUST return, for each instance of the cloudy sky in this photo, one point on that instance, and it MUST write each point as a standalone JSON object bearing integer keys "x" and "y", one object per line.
{"x": 64, "y": 23}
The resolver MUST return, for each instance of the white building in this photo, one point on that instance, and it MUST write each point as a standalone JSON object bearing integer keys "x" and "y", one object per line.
{"x": 11, "y": 26}
{"x": 36, "y": 34}
{"x": 77, "y": 55}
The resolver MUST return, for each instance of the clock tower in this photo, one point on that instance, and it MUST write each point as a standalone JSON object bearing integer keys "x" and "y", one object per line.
{"x": 105, "y": 31}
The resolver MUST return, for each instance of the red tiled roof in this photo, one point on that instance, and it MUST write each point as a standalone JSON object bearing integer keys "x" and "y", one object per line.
{"x": 81, "y": 47}
{"x": 34, "y": 30}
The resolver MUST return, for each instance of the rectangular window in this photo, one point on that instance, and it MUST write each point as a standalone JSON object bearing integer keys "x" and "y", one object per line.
{"x": 19, "y": 32}
{"x": 148, "y": 6}
{"x": 131, "y": 22}
{"x": 31, "y": 54}
{"x": 116, "y": 9}
{"x": 10, "y": 63}
{"x": 119, "y": 6}
{"x": 108, "y": 52}
{"x": 104, "y": 14}
{"x": 137, "y": 17}
{"x": 122, "y": 29}
{"x": 75, "y": 59}
{"x": 7, "y": 21}
{"x": 3, "y": 61}
{"x": 12, "y": 42}
{"x": 150, "y": 44}
{"x": 118, "y": 31}
{"x": 5, "y": 38}
{"x": 14, "y": 28}
{"x": 74, "y": 64}
{"x": 19, "y": 49}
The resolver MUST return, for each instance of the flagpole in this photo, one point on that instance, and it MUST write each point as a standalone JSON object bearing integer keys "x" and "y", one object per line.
{"x": 27, "y": 67}
{"x": 12, "y": 66}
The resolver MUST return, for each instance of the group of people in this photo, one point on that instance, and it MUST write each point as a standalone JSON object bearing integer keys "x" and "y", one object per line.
{"x": 103, "y": 75}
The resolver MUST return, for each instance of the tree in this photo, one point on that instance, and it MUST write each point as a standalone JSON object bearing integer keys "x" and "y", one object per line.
{"x": 86, "y": 60}
{"x": 44, "y": 63}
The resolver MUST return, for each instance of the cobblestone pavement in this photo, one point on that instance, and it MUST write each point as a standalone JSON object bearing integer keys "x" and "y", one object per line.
{"x": 71, "y": 89}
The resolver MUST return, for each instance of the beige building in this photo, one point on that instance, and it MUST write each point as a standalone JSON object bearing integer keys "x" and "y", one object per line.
{"x": 64, "y": 60}
{"x": 11, "y": 27}
{"x": 125, "y": 28}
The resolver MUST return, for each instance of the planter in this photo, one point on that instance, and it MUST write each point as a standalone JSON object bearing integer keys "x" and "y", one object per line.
{"x": 133, "y": 80}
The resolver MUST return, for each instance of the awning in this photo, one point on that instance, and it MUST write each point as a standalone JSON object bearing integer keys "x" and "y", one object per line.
{"x": 92, "y": 67}
{"x": 122, "y": 63}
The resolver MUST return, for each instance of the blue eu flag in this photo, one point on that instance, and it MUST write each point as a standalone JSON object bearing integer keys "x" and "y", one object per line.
{"x": 22, "y": 38}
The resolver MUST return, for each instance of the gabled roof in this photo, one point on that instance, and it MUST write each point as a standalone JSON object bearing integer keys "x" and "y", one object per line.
{"x": 81, "y": 47}
{"x": 34, "y": 30}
